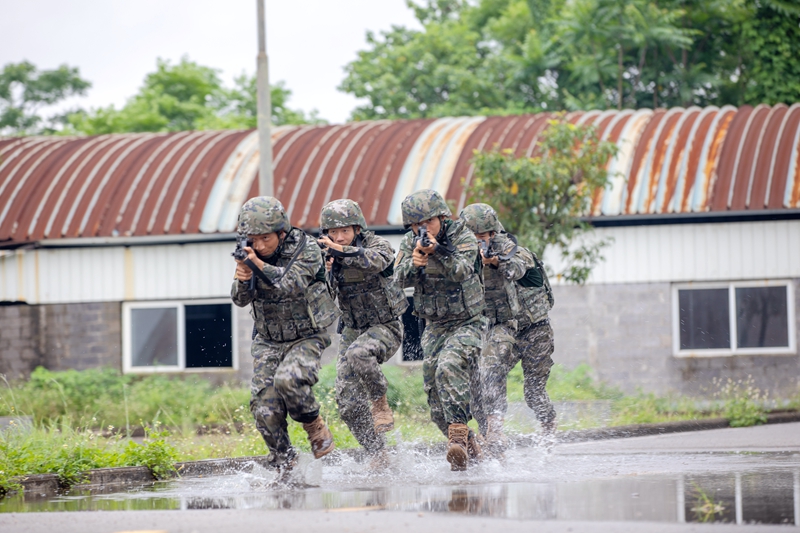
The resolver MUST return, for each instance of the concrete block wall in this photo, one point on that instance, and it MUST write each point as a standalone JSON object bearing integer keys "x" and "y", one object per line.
{"x": 59, "y": 337}
{"x": 81, "y": 336}
{"x": 20, "y": 351}
{"x": 624, "y": 332}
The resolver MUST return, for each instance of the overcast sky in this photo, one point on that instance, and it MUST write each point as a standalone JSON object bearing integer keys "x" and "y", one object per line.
{"x": 115, "y": 43}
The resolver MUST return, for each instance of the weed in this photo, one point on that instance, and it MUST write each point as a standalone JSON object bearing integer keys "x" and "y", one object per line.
{"x": 743, "y": 403}
{"x": 706, "y": 509}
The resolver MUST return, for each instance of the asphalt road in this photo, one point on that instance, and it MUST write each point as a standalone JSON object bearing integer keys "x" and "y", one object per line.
{"x": 772, "y": 438}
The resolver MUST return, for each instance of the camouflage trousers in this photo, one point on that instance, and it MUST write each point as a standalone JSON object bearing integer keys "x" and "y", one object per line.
{"x": 283, "y": 374}
{"x": 359, "y": 378}
{"x": 450, "y": 371}
{"x": 504, "y": 347}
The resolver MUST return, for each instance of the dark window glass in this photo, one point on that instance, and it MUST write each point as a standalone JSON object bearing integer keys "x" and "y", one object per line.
{"x": 209, "y": 335}
{"x": 154, "y": 336}
{"x": 704, "y": 319}
{"x": 412, "y": 349}
{"x": 761, "y": 317}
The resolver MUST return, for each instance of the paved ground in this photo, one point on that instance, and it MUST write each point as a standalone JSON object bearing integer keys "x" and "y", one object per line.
{"x": 780, "y": 437}
{"x": 771, "y": 438}
{"x": 219, "y": 521}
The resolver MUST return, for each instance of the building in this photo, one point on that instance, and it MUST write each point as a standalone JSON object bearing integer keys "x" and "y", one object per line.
{"x": 115, "y": 250}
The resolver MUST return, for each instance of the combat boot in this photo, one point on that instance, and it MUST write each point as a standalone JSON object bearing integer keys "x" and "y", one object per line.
{"x": 382, "y": 415}
{"x": 496, "y": 440}
{"x": 320, "y": 437}
{"x": 379, "y": 461}
{"x": 549, "y": 439}
{"x": 474, "y": 449}
{"x": 457, "y": 444}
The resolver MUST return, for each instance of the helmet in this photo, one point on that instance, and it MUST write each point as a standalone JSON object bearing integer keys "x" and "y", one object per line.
{"x": 261, "y": 215}
{"x": 423, "y": 205}
{"x": 341, "y": 213}
{"x": 481, "y": 218}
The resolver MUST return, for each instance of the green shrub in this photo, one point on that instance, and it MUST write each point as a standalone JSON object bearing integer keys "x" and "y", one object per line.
{"x": 743, "y": 403}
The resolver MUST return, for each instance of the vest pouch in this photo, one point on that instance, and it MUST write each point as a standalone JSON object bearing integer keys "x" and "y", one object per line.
{"x": 473, "y": 296}
{"x": 321, "y": 308}
{"x": 455, "y": 300}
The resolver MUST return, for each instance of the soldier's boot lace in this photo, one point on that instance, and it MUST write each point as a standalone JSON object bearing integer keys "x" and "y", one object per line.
{"x": 320, "y": 437}
{"x": 496, "y": 440}
{"x": 457, "y": 443}
{"x": 382, "y": 415}
{"x": 474, "y": 448}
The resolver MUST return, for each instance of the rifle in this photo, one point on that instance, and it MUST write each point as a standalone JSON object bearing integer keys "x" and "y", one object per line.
{"x": 486, "y": 250}
{"x": 424, "y": 241}
{"x": 240, "y": 254}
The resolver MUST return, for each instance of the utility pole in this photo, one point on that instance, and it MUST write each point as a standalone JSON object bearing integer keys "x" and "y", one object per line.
{"x": 264, "y": 105}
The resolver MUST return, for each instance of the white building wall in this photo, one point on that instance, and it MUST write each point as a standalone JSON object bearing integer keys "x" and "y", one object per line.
{"x": 638, "y": 254}
{"x": 698, "y": 252}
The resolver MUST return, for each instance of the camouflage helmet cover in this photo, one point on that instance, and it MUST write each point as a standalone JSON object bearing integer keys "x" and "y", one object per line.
{"x": 481, "y": 218}
{"x": 423, "y": 205}
{"x": 262, "y": 215}
{"x": 340, "y": 214}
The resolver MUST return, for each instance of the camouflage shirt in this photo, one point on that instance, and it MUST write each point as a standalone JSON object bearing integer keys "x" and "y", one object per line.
{"x": 297, "y": 301}
{"x": 367, "y": 293}
{"x": 453, "y": 289}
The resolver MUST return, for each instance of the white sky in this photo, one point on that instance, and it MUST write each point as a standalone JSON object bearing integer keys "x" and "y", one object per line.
{"x": 115, "y": 43}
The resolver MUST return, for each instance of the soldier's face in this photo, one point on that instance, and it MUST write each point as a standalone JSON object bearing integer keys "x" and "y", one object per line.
{"x": 485, "y": 236}
{"x": 343, "y": 236}
{"x": 266, "y": 244}
{"x": 434, "y": 225}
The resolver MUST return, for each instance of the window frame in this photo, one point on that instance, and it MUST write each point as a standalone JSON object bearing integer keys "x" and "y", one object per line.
{"x": 734, "y": 350}
{"x": 180, "y": 305}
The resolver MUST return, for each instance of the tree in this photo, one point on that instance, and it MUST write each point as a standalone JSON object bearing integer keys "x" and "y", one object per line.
{"x": 25, "y": 90}
{"x": 187, "y": 96}
{"x": 772, "y": 39}
{"x": 543, "y": 199}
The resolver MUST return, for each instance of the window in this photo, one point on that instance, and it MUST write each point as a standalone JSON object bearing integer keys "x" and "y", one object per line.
{"x": 733, "y": 318}
{"x": 176, "y": 336}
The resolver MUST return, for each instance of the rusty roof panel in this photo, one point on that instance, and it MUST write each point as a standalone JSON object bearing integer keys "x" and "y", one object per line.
{"x": 669, "y": 161}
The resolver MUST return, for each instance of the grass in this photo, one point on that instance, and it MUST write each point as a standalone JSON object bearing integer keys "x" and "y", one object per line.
{"x": 81, "y": 420}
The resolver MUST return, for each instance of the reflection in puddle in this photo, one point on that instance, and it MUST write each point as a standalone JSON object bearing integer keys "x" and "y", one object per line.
{"x": 734, "y": 488}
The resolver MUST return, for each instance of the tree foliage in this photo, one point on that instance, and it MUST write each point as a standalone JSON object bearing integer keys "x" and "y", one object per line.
{"x": 513, "y": 56}
{"x": 25, "y": 90}
{"x": 188, "y": 96}
{"x": 772, "y": 39}
{"x": 542, "y": 199}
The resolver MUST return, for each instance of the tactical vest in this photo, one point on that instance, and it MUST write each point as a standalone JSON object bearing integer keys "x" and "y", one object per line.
{"x": 368, "y": 299}
{"x": 502, "y": 303}
{"x": 536, "y": 301}
{"x": 439, "y": 299}
{"x": 284, "y": 318}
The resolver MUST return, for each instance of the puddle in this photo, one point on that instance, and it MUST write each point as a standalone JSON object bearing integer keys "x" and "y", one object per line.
{"x": 529, "y": 484}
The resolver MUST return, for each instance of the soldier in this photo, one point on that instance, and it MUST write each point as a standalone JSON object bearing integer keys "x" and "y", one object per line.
{"x": 292, "y": 307}
{"x": 448, "y": 295}
{"x": 518, "y": 298}
{"x": 361, "y": 265}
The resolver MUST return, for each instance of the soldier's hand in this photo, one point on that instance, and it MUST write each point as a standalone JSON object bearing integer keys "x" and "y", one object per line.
{"x": 329, "y": 264}
{"x": 326, "y": 241}
{"x": 243, "y": 273}
{"x": 490, "y": 260}
{"x": 428, "y": 249}
{"x": 419, "y": 258}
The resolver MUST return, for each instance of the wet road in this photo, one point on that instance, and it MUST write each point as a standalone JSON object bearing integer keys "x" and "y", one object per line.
{"x": 657, "y": 483}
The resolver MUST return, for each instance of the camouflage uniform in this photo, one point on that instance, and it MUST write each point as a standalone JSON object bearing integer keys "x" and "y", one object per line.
{"x": 451, "y": 302}
{"x": 291, "y": 314}
{"x": 371, "y": 303}
{"x": 517, "y": 301}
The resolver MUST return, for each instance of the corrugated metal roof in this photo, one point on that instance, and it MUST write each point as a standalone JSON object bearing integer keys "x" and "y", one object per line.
{"x": 669, "y": 161}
